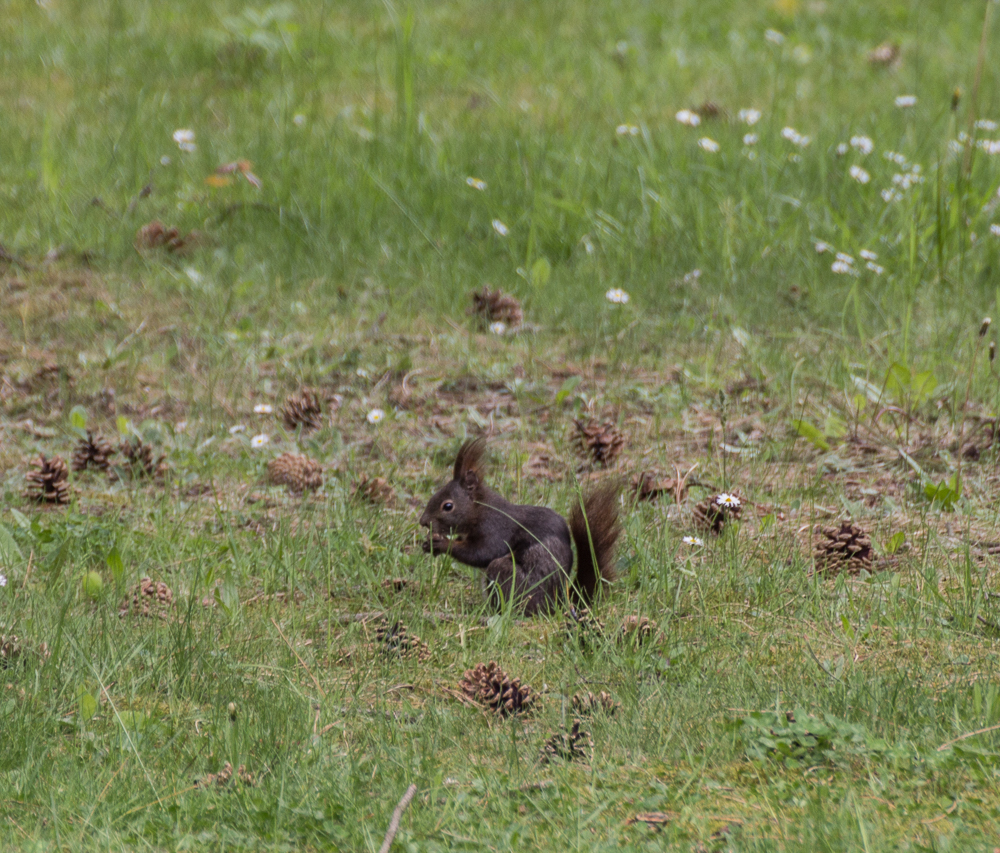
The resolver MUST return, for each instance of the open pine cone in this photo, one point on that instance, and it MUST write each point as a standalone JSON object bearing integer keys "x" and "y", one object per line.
{"x": 601, "y": 441}
{"x": 375, "y": 490}
{"x": 296, "y": 471}
{"x": 844, "y": 548}
{"x": 574, "y": 745}
{"x": 140, "y": 461}
{"x": 492, "y": 306}
{"x": 713, "y": 512}
{"x": 638, "y": 628}
{"x": 10, "y": 650}
{"x": 92, "y": 451}
{"x": 49, "y": 482}
{"x": 156, "y": 235}
{"x": 583, "y": 627}
{"x": 587, "y": 703}
{"x": 303, "y": 409}
{"x": 489, "y": 685}
{"x": 149, "y": 599}
{"x": 396, "y": 640}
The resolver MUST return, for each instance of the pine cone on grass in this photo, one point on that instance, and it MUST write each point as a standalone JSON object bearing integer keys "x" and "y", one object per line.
{"x": 296, "y": 471}
{"x": 648, "y": 486}
{"x": 156, "y": 235}
{"x": 489, "y": 685}
{"x": 303, "y": 409}
{"x": 637, "y": 628}
{"x": 845, "y": 548}
{"x": 10, "y": 650}
{"x": 584, "y": 628}
{"x": 49, "y": 483}
{"x": 93, "y": 451}
{"x": 395, "y": 640}
{"x": 586, "y": 704}
{"x": 375, "y": 490}
{"x": 712, "y": 513}
{"x": 601, "y": 441}
{"x": 574, "y": 745}
{"x": 493, "y": 306}
{"x": 148, "y": 600}
{"x": 140, "y": 462}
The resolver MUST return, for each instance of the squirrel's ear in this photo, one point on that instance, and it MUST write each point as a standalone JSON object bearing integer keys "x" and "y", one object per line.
{"x": 468, "y": 463}
{"x": 470, "y": 480}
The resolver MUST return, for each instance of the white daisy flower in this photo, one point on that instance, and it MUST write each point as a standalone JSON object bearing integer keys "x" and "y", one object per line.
{"x": 258, "y": 441}
{"x": 987, "y": 124}
{"x": 897, "y": 158}
{"x": 889, "y": 195}
{"x": 298, "y": 119}
{"x": 476, "y": 184}
{"x": 904, "y": 101}
{"x": 995, "y": 229}
{"x": 862, "y": 144}
{"x": 165, "y": 160}
{"x": 842, "y": 149}
{"x": 184, "y": 137}
{"x": 750, "y": 116}
{"x": 375, "y": 416}
{"x": 845, "y": 258}
{"x": 990, "y": 146}
{"x": 688, "y": 117}
{"x": 709, "y": 145}
{"x": 750, "y": 139}
{"x": 774, "y": 36}
{"x": 875, "y": 268}
{"x": 693, "y": 541}
{"x": 859, "y": 174}
{"x": 868, "y": 255}
{"x": 796, "y": 138}
{"x": 822, "y": 247}
{"x": 728, "y": 501}
{"x": 500, "y": 228}
{"x": 235, "y": 430}
{"x": 627, "y": 130}
{"x": 3, "y": 579}
{"x": 263, "y": 409}
{"x": 498, "y": 328}
{"x": 841, "y": 268}
{"x": 617, "y": 296}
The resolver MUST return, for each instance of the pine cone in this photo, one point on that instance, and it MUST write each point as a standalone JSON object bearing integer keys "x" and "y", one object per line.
{"x": 574, "y": 745}
{"x": 147, "y": 600}
{"x": 92, "y": 450}
{"x": 712, "y": 513}
{"x": 583, "y": 627}
{"x": 638, "y": 627}
{"x": 648, "y": 486}
{"x": 10, "y": 650}
{"x": 586, "y": 704}
{"x": 602, "y": 441}
{"x": 709, "y": 110}
{"x": 156, "y": 235}
{"x": 303, "y": 409}
{"x": 375, "y": 490}
{"x": 489, "y": 685}
{"x": 844, "y": 548}
{"x": 492, "y": 306}
{"x": 395, "y": 640}
{"x": 296, "y": 471}
{"x": 48, "y": 484}
{"x": 225, "y": 776}
{"x": 140, "y": 462}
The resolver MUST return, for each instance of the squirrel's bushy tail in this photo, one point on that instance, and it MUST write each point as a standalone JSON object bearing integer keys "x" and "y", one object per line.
{"x": 595, "y": 531}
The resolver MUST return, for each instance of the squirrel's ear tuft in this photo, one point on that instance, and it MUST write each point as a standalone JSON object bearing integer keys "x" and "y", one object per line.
{"x": 469, "y": 463}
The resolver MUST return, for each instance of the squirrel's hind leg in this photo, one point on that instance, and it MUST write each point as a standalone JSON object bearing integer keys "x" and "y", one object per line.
{"x": 536, "y": 581}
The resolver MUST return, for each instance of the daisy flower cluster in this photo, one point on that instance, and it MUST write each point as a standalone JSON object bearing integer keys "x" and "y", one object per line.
{"x": 843, "y": 263}
{"x": 617, "y": 296}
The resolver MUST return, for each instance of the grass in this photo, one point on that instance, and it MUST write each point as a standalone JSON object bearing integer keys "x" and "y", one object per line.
{"x": 817, "y": 396}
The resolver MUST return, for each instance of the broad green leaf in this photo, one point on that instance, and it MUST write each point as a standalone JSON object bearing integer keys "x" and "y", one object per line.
{"x": 895, "y": 542}
{"x": 78, "y": 418}
{"x": 811, "y": 433}
{"x": 567, "y": 388}
{"x": 88, "y": 704}
{"x": 9, "y": 552}
{"x": 541, "y": 272}
{"x": 922, "y": 386}
{"x": 898, "y": 380}
{"x": 123, "y": 425}
{"x": 834, "y": 427}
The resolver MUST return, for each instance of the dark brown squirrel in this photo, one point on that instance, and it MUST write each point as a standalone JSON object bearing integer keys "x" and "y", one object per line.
{"x": 525, "y": 550}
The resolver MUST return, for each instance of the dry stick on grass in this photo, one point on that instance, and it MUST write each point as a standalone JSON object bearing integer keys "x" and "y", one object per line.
{"x": 305, "y": 666}
{"x": 948, "y": 743}
{"x": 397, "y": 816}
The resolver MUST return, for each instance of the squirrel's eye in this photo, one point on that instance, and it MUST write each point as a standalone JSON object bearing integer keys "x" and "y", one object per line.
{"x": 447, "y": 506}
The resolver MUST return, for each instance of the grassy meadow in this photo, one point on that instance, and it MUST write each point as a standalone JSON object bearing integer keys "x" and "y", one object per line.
{"x": 799, "y": 200}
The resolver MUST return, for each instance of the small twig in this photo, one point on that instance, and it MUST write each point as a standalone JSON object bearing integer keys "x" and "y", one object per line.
{"x": 305, "y": 666}
{"x": 397, "y": 816}
{"x": 948, "y": 743}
